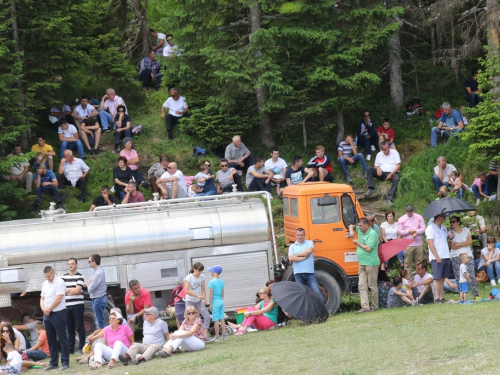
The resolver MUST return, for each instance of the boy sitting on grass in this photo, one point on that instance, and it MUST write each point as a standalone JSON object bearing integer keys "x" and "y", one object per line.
{"x": 396, "y": 296}
{"x": 14, "y": 361}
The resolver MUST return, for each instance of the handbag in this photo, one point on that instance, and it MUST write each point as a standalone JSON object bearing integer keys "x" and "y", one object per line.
{"x": 482, "y": 277}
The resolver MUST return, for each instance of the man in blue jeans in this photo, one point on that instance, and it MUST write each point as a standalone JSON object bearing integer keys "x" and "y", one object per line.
{"x": 451, "y": 122}
{"x": 97, "y": 290}
{"x": 301, "y": 255}
{"x": 348, "y": 155}
{"x": 53, "y": 306}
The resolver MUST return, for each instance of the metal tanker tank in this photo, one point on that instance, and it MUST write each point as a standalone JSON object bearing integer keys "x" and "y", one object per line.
{"x": 155, "y": 242}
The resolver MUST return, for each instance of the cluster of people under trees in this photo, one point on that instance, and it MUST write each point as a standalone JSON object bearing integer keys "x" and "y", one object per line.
{"x": 450, "y": 254}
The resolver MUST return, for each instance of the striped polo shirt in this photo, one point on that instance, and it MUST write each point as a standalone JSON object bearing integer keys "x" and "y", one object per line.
{"x": 71, "y": 282}
{"x": 345, "y": 149}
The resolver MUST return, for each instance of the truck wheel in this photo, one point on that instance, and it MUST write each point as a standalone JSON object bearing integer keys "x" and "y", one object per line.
{"x": 330, "y": 289}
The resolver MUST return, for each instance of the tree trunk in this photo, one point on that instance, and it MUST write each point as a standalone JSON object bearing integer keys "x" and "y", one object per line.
{"x": 454, "y": 62}
{"x": 142, "y": 26}
{"x": 433, "y": 44}
{"x": 340, "y": 126}
{"x": 304, "y": 131}
{"x": 395, "y": 72}
{"x": 493, "y": 26}
{"x": 266, "y": 136}
{"x": 19, "y": 83}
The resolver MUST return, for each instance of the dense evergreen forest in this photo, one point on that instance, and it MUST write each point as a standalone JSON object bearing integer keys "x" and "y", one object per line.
{"x": 286, "y": 72}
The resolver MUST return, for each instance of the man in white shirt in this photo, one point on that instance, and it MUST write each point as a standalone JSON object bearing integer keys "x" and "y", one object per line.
{"x": 278, "y": 166}
{"x": 439, "y": 254}
{"x": 68, "y": 135}
{"x": 442, "y": 173}
{"x": 83, "y": 111}
{"x": 160, "y": 41}
{"x": 387, "y": 166}
{"x": 109, "y": 102}
{"x": 20, "y": 171}
{"x": 171, "y": 183}
{"x": 57, "y": 112}
{"x": 73, "y": 172}
{"x": 53, "y": 305}
{"x": 170, "y": 48}
{"x": 177, "y": 108}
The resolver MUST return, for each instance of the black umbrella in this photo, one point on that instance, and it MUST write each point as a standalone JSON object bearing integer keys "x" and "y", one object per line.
{"x": 300, "y": 302}
{"x": 445, "y": 205}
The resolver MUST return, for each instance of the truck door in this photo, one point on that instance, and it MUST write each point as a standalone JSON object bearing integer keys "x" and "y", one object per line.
{"x": 327, "y": 229}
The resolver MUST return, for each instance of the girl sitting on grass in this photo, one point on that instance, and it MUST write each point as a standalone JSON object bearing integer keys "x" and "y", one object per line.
{"x": 263, "y": 316}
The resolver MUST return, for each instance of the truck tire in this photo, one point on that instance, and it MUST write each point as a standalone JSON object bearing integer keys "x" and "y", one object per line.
{"x": 330, "y": 289}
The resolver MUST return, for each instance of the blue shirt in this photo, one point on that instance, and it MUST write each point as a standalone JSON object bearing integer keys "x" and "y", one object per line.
{"x": 217, "y": 286}
{"x": 49, "y": 176}
{"x": 306, "y": 265}
{"x": 453, "y": 120}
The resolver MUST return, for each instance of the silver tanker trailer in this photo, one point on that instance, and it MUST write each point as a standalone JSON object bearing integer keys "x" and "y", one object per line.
{"x": 154, "y": 242}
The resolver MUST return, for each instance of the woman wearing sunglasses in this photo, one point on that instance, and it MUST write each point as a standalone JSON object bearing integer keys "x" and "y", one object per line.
{"x": 264, "y": 315}
{"x": 489, "y": 260}
{"x": 191, "y": 335}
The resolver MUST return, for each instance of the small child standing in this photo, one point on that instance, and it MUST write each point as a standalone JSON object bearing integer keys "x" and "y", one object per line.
{"x": 464, "y": 278}
{"x": 14, "y": 361}
{"x": 216, "y": 301}
{"x": 396, "y": 296}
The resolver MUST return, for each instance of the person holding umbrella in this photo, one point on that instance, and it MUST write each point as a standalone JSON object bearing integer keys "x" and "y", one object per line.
{"x": 369, "y": 262}
{"x": 439, "y": 254}
{"x": 302, "y": 258}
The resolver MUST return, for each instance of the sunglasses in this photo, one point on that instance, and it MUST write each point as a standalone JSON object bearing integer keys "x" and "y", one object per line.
{"x": 121, "y": 110}
{"x": 223, "y": 165}
{"x": 453, "y": 222}
{"x": 262, "y": 293}
{"x": 169, "y": 40}
{"x": 5, "y": 330}
{"x": 208, "y": 165}
{"x": 371, "y": 221}
{"x": 191, "y": 313}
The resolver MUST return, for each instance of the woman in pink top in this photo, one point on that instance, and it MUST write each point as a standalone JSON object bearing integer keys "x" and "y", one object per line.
{"x": 133, "y": 161}
{"x": 117, "y": 339}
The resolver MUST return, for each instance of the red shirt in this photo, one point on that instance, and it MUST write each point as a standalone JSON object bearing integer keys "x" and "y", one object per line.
{"x": 389, "y": 131}
{"x": 139, "y": 302}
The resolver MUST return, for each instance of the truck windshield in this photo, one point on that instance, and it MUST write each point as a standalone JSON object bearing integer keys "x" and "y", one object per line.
{"x": 325, "y": 214}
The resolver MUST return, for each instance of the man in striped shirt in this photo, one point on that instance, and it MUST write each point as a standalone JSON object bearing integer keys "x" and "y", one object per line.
{"x": 75, "y": 305}
{"x": 348, "y": 155}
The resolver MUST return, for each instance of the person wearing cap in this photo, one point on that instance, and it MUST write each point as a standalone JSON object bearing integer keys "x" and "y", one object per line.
{"x": 117, "y": 339}
{"x": 216, "y": 301}
{"x": 154, "y": 331}
{"x": 137, "y": 300}
{"x": 412, "y": 226}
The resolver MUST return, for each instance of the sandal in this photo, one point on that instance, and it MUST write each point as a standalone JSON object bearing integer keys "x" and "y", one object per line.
{"x": 83, "y": 361}
{"x": 96, "y": 367}
{"x": 240, "y": 333}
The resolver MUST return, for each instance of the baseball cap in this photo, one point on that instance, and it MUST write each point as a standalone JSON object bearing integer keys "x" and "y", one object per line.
{"x": 217, "y": 269}
{"x": 152, "y": 310}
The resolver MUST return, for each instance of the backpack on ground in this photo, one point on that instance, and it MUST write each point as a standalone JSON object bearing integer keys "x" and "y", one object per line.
{"x": 414, "y": 107}
{"x": 137, "y": 130}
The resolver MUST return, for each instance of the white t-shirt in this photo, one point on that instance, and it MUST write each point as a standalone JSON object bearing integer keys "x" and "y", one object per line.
{"x": 418, "y": 279}
{"x": 68, "y": 133}
{"x": 175, "y": 105}
{"x": 169, "y": 50}
{"x": 277, "y": 168}
{"x": 446, "y": 172}
{"x": 198, "y": 176}
{"x": 15, "y": 359}
{"x": 181, "y": 182}
{"x": 249, "y": 177}
{"x": 391, "y": 230}
{"x": 83, "y": 112}
{"x": 440, "y": 237}
{"x": 161, "y": 37}
{"x": 22, "y": 339}
{"x": 387, "y": 163}
{"x": 463, "y": 268}
{"x": 195, "y": 284}
{"x": 50, "y": 290}
{"x": 461, "y": 237}
{"x": 484, "y": 252}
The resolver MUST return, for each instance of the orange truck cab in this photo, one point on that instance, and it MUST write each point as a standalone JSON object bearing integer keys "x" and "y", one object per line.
{"x": 324, "y": 211}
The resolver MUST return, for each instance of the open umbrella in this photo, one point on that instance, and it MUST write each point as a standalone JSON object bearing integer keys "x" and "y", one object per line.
{"x": 300, "y": 301}
{"x": 387, "y": 250}
{"x": 445, "y": 205}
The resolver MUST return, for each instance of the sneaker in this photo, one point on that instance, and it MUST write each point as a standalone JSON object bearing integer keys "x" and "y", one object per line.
{"x": 96, "y": 152}
{"x": 373, "y": 148}
{"x": 478, "y": 201}
{"x": 368, "y": 157}
{"x": 79, "y": 352}
{"x": 106, "y": 132}
{"x": 493, "y": 283}
{"x": 82, "y": 200}
{"x": 145, "y": 184}
{"x": 125, "y": 359}
{"x": 135, "y": 361}
{"x": 224, "y": 337}
{"x": 209, "y": 339}
{"x": 361, "y": 311}
{"x": 365, "y": 175}
{"x": 60, "y": 205}
{"x": 349, "y": 180}
{"x": 415, "y": 302}
{"x": 388, "y": 202}
{"x": 83, "y": 157}
{"x": 162, "y": 354}
{"x": 117, "y": 149}
{"x": 37, "y": 210}
{"x": 217, "y": 338}
{"x": 369, "y": 193}
{"x": 64, "y": 368}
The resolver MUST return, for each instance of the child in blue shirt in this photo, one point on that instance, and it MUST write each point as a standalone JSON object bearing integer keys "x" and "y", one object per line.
{"x": 216, "y": 301}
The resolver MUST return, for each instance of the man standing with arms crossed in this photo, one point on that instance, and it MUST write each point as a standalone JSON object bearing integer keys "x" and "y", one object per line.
{"x": 301, "y": 255}
{"x": 412, "y": 226}
{"x": 97, "y": 290}
{"x": 75, "y": 305}
{"x": 54, "y": 318}
{"x": 439, "y": 255}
